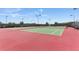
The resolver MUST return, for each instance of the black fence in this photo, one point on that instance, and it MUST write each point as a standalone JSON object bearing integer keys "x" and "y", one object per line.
{"x": 21, "y": 24}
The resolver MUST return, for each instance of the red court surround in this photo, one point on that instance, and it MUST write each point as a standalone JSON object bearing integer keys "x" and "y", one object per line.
{"x": 15, "y": 40}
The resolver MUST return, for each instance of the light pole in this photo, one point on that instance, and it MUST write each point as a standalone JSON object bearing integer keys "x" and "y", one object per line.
{"x": 38, "y": 17}
{"x": 21, "y": 22}
{"x": 22, "y": 19}
{"x": 74, "y": 16}
{"x": 49, "y": 21}
{"x": 6, "y": 19}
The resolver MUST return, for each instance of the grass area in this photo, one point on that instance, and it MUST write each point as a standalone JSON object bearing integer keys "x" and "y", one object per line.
{"x": 47, "y": 30}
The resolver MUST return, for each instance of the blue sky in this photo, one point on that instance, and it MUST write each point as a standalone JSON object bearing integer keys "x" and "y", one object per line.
{"x": 29, "y": 15}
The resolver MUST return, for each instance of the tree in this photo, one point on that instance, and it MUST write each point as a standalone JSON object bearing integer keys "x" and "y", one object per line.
{"x": 47, "y": 23}
{"x": 21, "y": 23}
{"x": 0, "y": 23}
{"x": 56, "y": 23}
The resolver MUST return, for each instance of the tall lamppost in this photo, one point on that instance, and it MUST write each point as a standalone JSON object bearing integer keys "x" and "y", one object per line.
{"x": 49, "y": 21}
{"x": 22, "y": 19}
{"x": 74, "y": 16}
{"x": 6, "y": 18}
{"x": 38, "y": 16}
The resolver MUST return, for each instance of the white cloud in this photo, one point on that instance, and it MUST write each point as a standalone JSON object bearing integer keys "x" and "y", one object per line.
{"x": 41, "y": 10}
{"x": 13, "y": 15}
{"x": 11, "y": 10}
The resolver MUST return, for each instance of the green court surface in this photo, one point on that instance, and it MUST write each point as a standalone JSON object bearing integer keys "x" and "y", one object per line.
{"x": 47, "y": 30}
